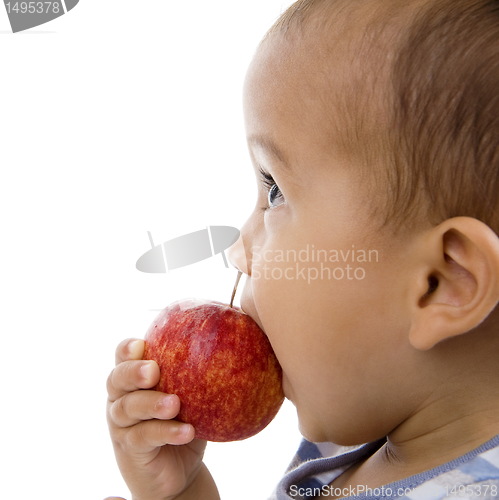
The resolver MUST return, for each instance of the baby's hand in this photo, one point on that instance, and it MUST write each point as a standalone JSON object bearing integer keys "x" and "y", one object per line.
{"x": 158, "y": 457}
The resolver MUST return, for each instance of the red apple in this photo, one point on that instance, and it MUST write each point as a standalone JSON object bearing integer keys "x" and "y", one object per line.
{"x": 220, "y": 364}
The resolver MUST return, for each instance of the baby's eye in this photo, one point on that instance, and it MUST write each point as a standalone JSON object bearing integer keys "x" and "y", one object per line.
{"x": 274, "y": 195}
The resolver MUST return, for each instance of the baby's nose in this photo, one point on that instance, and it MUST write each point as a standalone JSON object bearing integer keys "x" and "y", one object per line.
{"x": 239, "y": 257}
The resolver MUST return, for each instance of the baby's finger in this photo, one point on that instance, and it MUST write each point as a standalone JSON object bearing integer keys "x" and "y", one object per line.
{"x": 130, "y": 376}
{"x": 143, "y": 405}
{"x": 151, "y": 434}
{"x": 129, "y": 349}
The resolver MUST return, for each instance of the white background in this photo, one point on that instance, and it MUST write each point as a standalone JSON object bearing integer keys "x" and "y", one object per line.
{"x": 116, "y": 119}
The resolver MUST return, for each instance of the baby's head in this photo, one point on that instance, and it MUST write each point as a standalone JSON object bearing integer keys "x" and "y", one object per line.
{"x": 414, "y": 96}
{"x": 373, "y": 129}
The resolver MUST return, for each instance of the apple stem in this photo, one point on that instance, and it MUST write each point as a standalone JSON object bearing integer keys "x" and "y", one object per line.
{"x": 239, "y": 273}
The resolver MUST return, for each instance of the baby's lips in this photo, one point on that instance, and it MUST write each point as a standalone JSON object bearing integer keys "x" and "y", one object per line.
{"x": 248, "y": 308}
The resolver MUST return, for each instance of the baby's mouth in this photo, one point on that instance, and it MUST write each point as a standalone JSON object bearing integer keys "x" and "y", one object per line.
{"x": 248, "y": 308}
{"x": 247, "y": 303}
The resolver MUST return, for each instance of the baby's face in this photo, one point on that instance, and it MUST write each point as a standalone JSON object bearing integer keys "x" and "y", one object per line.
{"x": 323, "y": 282}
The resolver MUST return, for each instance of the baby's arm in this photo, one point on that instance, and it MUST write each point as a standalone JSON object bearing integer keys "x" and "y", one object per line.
{"x": 158, "y": 456}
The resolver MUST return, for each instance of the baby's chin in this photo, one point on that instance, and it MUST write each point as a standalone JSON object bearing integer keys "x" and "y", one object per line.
{"x": 330, "y": 429}
{"x": 286, "y": 388}
{"x": 309, "y": 432}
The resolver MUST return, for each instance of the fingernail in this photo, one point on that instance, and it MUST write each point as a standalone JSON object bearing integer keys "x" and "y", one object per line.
{"x": 185, "y": 431}
{"x": 145, "y": 370}
{"x": 167, "y": 402}
{"x": 135, "y": 349}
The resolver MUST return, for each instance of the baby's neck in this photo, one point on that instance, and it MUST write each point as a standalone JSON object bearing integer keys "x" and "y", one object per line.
{"x": 441, "y": 432}
{"x": 408, "y": 452}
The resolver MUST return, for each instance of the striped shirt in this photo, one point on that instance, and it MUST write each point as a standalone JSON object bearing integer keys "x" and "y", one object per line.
{"x": 474, "y": 475}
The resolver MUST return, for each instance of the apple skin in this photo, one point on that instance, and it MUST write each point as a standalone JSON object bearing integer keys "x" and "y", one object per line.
{"x": 220, "y": 364}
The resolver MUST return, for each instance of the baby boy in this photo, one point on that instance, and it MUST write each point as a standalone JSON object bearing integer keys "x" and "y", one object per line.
{"x": 373, "y": 128}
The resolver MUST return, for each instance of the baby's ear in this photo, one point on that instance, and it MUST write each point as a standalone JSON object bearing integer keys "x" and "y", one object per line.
{"x": 457, "y": 283}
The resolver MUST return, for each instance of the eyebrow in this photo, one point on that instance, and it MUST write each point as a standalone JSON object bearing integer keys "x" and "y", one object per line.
{"x": 267, "y": 144}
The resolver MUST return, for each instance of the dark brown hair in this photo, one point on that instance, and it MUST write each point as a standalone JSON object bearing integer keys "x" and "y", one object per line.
{"x": 446, "y": 112}
{"x": 443, "y": 127}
